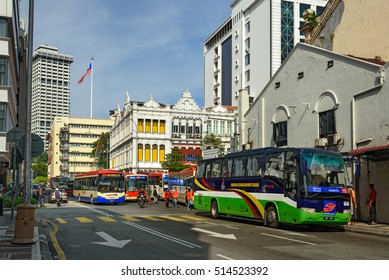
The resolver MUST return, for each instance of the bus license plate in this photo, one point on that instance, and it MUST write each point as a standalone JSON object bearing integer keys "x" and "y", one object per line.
{"x": 329, "y": 218}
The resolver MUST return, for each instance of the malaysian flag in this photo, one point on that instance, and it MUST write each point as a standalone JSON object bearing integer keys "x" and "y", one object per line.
{"x": 87, "y": 72}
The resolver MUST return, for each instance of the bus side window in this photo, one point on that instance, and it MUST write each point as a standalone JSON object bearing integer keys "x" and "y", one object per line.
{"x": 216, "y": 169}
{"x": 208, "y": 170}
{"x": 225, "y": 172}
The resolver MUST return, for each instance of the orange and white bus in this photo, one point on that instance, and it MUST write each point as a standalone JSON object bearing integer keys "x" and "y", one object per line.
{"x": 132, "y": 185}
{"x": 101, "y": 186}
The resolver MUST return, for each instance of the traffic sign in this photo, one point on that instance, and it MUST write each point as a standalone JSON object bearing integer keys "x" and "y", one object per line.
{"x": 37, "y": 145}
{"x": 4, "y": 164}
{"x": 14, "y": 135}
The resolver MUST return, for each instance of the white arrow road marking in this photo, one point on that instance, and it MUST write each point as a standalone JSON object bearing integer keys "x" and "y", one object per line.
{"x": 215, "y": 234}
{"x": 110, "y": 241}
{"x": 165, "y": 236}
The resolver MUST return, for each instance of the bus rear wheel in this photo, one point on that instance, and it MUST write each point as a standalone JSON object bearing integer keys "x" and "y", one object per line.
{"x": 272, "y": 217}
{"x": 214, "y": 210}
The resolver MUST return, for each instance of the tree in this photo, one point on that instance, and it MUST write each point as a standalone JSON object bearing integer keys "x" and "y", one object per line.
{"x": 212, "y": 141}
{"x": 39, "y": 166}
{"x": 100, "y": 151}
{"x": 173, "y": 161}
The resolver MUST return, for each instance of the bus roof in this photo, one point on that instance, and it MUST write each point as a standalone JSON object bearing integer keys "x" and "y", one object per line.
{"x": 275, "y": 149}
{"x": 98, "y": 172}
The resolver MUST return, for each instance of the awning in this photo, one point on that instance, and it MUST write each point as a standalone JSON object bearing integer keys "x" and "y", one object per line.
{"x": 368, "y": 150}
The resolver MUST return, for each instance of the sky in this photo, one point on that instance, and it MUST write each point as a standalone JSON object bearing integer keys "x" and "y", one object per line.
{"x": 150, "y": 48}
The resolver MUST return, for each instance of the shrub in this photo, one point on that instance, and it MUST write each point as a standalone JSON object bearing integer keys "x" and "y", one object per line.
{"x": 7, "y": 201}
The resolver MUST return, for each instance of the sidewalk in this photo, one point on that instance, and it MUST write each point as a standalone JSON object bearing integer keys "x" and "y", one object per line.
{"x": 9, "y": 251}
{"x": 40, "y": 249}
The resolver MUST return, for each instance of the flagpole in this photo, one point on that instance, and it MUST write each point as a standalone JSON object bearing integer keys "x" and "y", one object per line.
{"x": 91, "y": 89}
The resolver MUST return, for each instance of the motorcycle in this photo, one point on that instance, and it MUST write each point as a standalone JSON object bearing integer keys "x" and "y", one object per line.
{"x": 141, "y": 200}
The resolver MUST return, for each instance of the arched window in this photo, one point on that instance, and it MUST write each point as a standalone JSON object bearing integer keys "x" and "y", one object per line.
{"x": 155, "y": 153}
{"x": 147, "y": 152}
{"x": 140, "y": 152}
{"x": 280, "y": 126}
{"x": 162, "y": 153}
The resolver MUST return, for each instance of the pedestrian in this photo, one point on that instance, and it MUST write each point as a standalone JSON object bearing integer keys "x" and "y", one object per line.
{"x": 353, "y": 205}
{"x": 189, "y": 197}
{"x": 149, "y": 195}
{"x": 41, "y": 196}
{"x": 372, "y": 200}
{"x": 155, "y": 194}
{"x": 167, "y": 196}
{"x": 175, "y": 195}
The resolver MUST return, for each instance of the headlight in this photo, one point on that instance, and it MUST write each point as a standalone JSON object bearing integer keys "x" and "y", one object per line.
{"x": 346, "y": 211}
{"x": 308, "y": 210}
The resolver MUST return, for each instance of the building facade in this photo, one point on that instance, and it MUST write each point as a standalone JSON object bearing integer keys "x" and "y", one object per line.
{"x": 12, "y": 82}
{"x": 144, "y": 132}
{"x": 50, "y": 89}
{"x": 353, "y": 27}
{"x": 249, "y": 47}
{"x": 71, "y": 142}
{"x": 331, "y": 101}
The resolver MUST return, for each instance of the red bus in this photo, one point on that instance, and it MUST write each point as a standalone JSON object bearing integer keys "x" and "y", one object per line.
{"x": 133, "y": 183}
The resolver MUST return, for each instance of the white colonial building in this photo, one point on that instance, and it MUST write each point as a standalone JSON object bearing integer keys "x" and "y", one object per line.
{"x": 144, "y": 132}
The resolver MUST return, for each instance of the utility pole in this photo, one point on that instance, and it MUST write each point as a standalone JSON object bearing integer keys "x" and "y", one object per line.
{"x": 25, "y": 217}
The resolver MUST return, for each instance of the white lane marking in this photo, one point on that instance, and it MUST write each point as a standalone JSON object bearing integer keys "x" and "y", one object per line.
{"x": 162, "y": 235}
{"x": 97, "y": 211}
{"x": 290, "y": 239}
{"x": 227, "y": 258}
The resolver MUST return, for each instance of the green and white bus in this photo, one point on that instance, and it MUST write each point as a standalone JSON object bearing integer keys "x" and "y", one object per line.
{"x": 277, "y": 185}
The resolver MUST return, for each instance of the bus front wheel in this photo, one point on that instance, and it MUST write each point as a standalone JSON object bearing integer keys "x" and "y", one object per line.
{"x": 214, "y": 210}
{"x": 272, "y": 217}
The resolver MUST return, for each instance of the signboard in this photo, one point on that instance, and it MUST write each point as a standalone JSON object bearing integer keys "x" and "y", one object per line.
{"x": 211, "y": 153}
{"x": 4, "y": 164}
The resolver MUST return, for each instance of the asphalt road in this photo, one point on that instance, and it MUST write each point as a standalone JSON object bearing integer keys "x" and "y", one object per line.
{"x": 126, "y": 232}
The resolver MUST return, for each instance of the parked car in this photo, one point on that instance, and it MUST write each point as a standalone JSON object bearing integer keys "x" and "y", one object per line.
{"x": 35, "y": 191}
{"x": 64, "y": 196}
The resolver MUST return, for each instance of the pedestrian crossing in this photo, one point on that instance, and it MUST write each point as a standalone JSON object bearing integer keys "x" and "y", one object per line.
{"x": 111, "y": 219}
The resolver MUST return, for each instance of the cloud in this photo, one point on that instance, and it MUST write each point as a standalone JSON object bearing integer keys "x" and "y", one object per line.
{"x": 148, "y": 47}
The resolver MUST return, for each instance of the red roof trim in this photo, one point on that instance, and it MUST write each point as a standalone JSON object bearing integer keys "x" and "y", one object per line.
{"x": 361, "y": 151}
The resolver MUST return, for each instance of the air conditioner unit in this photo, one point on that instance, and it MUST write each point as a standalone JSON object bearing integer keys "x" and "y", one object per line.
{"x": 333, "y": 139}
{"x": 320, "y": 142}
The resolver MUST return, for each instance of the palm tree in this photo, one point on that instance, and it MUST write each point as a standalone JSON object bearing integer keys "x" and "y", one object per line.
{"x": 100, "y": 151}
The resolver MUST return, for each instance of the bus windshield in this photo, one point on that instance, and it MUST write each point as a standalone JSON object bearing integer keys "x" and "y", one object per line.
{"x": 110, "y": 184}
{"x": 325, "y": 176}
{"x": 136, "y": 182}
